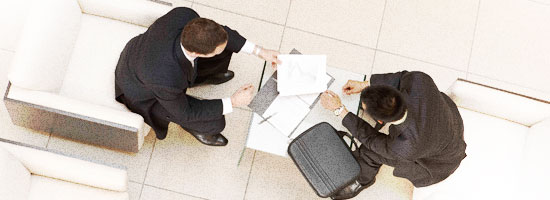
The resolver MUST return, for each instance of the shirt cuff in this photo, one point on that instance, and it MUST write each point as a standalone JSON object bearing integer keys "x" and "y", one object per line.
{"x": 227, "y": 106}
{"x": 248, "y": 47}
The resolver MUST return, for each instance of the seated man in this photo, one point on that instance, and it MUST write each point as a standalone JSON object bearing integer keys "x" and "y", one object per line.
{"x": 425, "y": 142}
{"x": 178, "y": 51}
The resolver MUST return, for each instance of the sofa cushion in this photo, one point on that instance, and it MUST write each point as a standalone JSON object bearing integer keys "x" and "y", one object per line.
{"x": 536, "y": 171}
{"x": 142, "y": 13}
{"x": 90, "y": 76}
{"x": 43, "y": 188}
{"x": 492, "y": 167}
{"x": 45, "y": 45}
{"x": 498, "y": 103}
{"x": 15, "y": 179}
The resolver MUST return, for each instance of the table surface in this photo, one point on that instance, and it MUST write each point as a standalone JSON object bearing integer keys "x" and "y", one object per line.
{"x": 266, "y": 138}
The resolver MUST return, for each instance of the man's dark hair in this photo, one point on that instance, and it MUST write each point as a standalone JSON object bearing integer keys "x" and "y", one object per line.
{"x": 202, "y": 36}
{"x": 384, "y": 103}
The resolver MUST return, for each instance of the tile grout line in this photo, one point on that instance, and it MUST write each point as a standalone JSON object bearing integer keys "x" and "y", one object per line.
{"x": 284, "y": 27}
{"x": 249, "y": 174}
{"x": 473, "y": 40}
{"x": 378, "y": 37}
{"x": 415, "y": 59}
{"x": 243, "y": 15}
{"x": 172, "y": 191}
{"x": 148, "y": 163}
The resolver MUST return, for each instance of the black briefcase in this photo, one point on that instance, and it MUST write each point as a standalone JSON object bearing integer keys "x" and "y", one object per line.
{"x": 324, "y": 159}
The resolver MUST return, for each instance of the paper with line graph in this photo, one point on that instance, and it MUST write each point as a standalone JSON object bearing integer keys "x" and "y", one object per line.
{"x": 302, "y": 74}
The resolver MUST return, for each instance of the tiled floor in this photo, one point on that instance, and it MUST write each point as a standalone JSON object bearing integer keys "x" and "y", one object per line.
{"x": 502, "y": 43}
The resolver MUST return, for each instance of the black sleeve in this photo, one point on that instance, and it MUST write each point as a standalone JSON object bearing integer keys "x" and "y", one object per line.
{"x": 187, "y": 108}
{"x": 174, "y": 20}
{"x": 398, "y": 148}
{"x": 234, "y": 40}
{"x": 391, "y": 79}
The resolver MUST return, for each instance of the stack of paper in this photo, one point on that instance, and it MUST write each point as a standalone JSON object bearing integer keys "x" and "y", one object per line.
{"x": 302, "y": 74}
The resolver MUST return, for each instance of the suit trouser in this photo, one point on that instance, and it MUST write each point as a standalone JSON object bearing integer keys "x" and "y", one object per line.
{"x": 206, "y": 127}
{"x": 215, "y": 65}
{"x": 205, "y": 67}
{"x": 369, "y": 162}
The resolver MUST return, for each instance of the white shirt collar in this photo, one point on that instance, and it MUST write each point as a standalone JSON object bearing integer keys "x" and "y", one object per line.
{"x": 190, "y": 58}
{"x": 400, "y": 120}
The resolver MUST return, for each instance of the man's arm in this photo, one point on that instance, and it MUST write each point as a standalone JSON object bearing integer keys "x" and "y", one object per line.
{"x": 398, "y": 148}
{"x": 391, "y": 79}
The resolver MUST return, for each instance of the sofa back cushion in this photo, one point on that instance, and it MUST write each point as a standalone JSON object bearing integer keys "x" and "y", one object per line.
{"x": 15, "y": 179}
{"x": 46, "y": 45}
{"x": 536, "y": 163}
{"x": 142, "y": 13}
{"x": 499, "y": 103}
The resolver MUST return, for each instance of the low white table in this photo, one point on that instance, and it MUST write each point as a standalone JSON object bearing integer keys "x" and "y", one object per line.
{"x": 266, "y": 138}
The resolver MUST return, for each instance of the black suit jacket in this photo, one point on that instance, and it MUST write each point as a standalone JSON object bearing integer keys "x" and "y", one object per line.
{"x": 153, "y": 74}
{"x": 429, "y": 145}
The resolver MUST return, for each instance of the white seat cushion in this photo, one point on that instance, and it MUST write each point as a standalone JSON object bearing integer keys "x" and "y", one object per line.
{"x": 43, "y": 188}
{"x": 90, "y": 75}
{"x": 491, "y": 169}
{"x": 15, "y": 179}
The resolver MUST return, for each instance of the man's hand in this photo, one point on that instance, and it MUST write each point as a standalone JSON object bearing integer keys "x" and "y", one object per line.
{"x": 270, "y": 56}
{"x": 330, "y": 100}
{"x": 242, "y": 96}
{"x": 354, "y": 87}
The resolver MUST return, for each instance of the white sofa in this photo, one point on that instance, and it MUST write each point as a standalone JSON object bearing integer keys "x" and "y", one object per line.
{"x": 28, "y": 173}
{"x": 62, "y": 75}
{"x": 508, "y": 138}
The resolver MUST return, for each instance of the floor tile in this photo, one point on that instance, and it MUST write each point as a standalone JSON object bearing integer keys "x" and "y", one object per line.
{"x": 276, "y": 177}
{"x": 388, "y": 187}
{"x": 443, "y": 77}
{"x": 339, "y": 54}
{"x": 510, "y": 87}
{"x": 12, "y": 19}
{"x": 436, "y": 31}
{"x": 152, "y": 193}
{"x": 511, "y": 43}
{"x": 357, "y": 22}
{"x": 247, "y": 68}
{"x": 180, "y": 163}
{"x": 136, "y": 163}
{"x": 9, "y": 130}
{"x": 179, "y": 3}
{"x": 270, "y": 10}
{"x": 134, "y": 190}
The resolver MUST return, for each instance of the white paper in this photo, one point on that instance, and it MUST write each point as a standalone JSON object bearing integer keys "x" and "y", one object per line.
{"x": 301, "y": 74}
{"x": 286, "y": 112}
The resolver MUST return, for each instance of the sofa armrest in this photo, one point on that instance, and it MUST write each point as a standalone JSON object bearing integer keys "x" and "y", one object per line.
{"x": 142, "y": 13}
{"x": 45, "y": 163}
{"x": 117, "y": 118}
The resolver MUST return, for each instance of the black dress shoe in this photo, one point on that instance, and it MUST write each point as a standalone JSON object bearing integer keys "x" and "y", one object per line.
{"x": 351, "y": 190}
{"x": 215, "y": 79}
{"x": 211, "y": 140}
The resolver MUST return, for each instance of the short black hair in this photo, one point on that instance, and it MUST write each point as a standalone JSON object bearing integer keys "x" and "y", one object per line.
{"x": 202, "y": 36}
{"x": 384, "y": 102}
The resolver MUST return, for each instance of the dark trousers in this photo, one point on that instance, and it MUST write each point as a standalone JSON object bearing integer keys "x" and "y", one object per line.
{"x": 205, "y": 67}
{"x": 369, "y": 162}
{"x": 215, "y": 65}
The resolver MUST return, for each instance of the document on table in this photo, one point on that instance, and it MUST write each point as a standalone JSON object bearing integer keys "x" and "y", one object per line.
{"x": 286, "y": 112}
{"x": 301, "y": 74}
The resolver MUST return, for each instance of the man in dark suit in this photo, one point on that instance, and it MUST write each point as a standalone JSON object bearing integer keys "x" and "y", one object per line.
{"x": 178, "y": 51}
{"x": 425, "y": 142}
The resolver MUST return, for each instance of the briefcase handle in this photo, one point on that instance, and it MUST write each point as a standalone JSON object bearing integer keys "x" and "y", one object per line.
{"x": 343, "y": 134}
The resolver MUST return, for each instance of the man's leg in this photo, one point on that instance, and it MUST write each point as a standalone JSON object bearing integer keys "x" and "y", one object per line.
{"x": 370, "y": 164}
{"x": 214, "y": 70}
